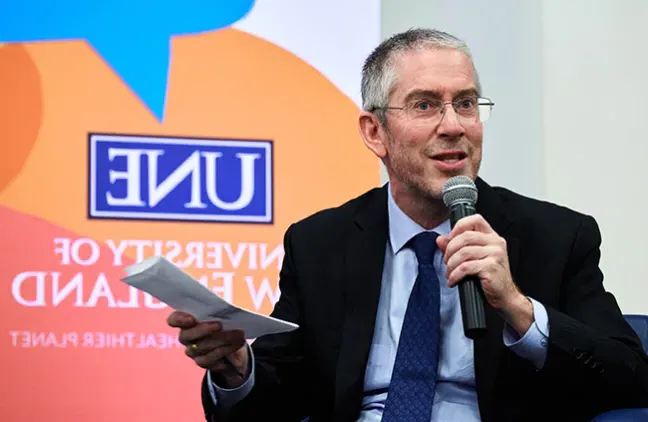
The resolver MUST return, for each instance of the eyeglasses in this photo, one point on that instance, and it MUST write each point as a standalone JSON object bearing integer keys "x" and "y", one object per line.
{"x": 467, "y": 108}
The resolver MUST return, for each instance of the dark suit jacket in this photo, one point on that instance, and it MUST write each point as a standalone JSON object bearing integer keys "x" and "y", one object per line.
{"x": 330, "y": 284}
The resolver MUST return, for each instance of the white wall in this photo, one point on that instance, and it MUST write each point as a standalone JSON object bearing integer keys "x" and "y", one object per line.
{"x": 596, "y": 144}
{"x": 510, "y": 76}
{"x": 568, "y": 81}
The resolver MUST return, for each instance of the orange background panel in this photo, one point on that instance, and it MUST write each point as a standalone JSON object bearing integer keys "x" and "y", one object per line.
{"x": 223, "y": 84}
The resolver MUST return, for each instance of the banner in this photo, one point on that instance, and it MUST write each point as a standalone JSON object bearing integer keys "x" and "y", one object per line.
{"x": 196, "y": 130}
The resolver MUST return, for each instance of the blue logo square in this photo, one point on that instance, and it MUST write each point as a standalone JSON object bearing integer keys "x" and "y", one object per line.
{"x": 164, "y": 178}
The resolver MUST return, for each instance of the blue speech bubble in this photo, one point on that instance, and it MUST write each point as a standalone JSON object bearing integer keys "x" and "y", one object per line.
{"x": 132, "y": 36}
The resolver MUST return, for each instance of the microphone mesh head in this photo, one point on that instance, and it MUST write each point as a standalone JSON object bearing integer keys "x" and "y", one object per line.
{"x": 459, "y": 189}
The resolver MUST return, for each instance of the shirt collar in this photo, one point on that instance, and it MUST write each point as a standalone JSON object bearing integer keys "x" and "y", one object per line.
{"x": 402, "y": 228}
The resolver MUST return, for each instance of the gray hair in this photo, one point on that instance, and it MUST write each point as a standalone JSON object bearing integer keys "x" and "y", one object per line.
{"x": 379, "y": 73}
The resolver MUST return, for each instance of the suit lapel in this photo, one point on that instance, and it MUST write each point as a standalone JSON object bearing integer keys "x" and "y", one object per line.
{"x": 364, "y": 259}
{"x": 489, "y": 349}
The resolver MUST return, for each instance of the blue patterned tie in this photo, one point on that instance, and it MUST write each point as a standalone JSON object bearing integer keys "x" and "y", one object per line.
{"x": 413, "y": 381}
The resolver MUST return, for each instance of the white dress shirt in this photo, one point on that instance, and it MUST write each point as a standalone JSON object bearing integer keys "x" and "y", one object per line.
{"x": 456, "y": 395}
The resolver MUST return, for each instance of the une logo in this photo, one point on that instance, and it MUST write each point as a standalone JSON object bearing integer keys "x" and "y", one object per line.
{"x": 162, "y": 178}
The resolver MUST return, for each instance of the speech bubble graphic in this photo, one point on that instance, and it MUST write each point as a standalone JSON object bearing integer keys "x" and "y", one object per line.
{"x": 132, "y": 36}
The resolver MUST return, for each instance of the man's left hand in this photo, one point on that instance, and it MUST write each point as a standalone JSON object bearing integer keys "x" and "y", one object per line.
{"x": 474, "y": 248}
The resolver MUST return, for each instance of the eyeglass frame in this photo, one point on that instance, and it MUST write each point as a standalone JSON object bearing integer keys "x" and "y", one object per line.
{"x": 443, "y": 104}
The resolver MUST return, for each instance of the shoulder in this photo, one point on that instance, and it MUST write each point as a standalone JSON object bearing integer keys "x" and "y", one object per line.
{"x": 332, "y": 224}
{"x": 545, "y": 216}
{"x": 525, "y": 206}
{"x": 339, "y": 216}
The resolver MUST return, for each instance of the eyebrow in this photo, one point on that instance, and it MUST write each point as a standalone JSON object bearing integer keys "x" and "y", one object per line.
{"x": 418, "y": 93}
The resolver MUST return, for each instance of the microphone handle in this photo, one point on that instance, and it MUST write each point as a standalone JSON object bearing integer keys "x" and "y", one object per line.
{"x": 471, "y": 295}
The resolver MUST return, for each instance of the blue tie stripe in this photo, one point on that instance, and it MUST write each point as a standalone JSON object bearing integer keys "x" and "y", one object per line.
{"x": 413, "y": 381}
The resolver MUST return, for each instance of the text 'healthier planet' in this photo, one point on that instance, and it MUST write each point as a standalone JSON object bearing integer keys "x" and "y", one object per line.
{"x": 110, "y": 155}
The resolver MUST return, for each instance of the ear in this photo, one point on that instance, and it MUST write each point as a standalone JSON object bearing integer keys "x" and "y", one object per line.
{"x": 373, "y": 133}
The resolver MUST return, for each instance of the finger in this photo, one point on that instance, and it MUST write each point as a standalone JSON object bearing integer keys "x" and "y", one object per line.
{"x": 206, "y": 345}
{"x": 179, "y": 319}
{"x": 220, "y": 366}
{"x": 472, "y": 268}
{"x": 202, "y": 330}
{"x": 473, "y": 222}
{"x": 442, "y": 243}
{"x": 469, "y": 238}
{"x": 469, "y": 253}
{"x": 213, "y": 359}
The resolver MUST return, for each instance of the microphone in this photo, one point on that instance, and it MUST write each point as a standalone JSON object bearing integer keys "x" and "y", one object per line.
{"x": 460, "y": 196}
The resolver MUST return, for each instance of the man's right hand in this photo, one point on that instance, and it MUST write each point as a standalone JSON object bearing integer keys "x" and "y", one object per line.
{"x": 208, "y": 345}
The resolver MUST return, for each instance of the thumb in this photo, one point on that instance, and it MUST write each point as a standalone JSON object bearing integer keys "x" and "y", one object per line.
{"x": 442, "y": 243}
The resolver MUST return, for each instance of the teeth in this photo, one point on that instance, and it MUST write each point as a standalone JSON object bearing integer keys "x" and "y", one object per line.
{"x": 450, "y": 158}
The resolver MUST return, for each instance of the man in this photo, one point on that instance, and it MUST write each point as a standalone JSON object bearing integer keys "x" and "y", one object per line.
{"x": 372, "y": 284}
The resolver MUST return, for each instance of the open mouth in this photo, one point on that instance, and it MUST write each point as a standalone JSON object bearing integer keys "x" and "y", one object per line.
{"x": 450, "y": 156}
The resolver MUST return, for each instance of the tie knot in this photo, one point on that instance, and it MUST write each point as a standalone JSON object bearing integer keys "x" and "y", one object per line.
{"x": 424, "y": 245}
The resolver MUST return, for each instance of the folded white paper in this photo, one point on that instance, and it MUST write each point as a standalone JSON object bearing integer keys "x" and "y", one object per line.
{"x": 171, "y": 285}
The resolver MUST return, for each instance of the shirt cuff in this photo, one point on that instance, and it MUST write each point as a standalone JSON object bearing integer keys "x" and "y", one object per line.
{"x": 228, "y": 397}
{"x": 533, "y": 345}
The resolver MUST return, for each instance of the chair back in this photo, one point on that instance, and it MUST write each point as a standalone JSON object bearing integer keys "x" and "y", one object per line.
{"x": 640, "y": 324}
{"x": 623, "y": 415}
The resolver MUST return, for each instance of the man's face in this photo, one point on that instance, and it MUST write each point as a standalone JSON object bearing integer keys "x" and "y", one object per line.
{"x": 421, "y": 154}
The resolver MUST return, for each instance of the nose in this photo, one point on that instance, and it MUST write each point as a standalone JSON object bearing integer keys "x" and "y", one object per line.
{"x": 450, "y": 126}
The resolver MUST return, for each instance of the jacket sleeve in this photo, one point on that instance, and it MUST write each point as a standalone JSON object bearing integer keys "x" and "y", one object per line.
{"x": 592, "y": 351}
{"x": 280, "y": 390}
